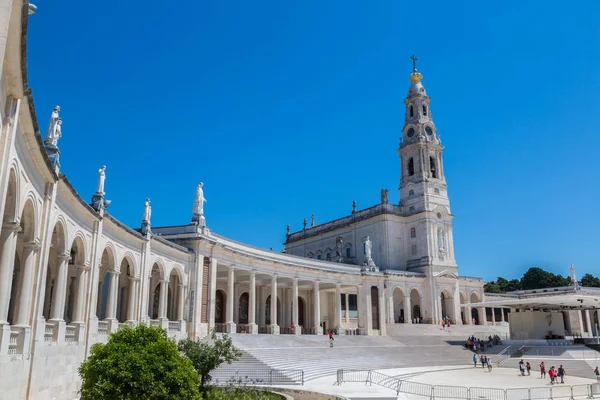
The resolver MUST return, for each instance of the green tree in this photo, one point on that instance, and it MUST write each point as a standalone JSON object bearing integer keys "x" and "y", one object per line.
{"x": 206, "y": 355}
{"x": 138, "y": 363}
{"x": 512, "y": 285}
{"x": 492, "y": 287}
{"x": 589, "y": 280}
{"x": 537, "y": 278}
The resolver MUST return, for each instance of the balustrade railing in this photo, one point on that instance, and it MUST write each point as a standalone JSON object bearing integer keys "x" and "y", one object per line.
{"x": 174, "y": 326}
{"x": 240, "y": 328}
{"x": 49, "y": 332}
{"x": 70, "y": 333}
{"x": 463, "y": 392}
{"x": 263, "y": 329}
{"x": 103, "y": 327}
{"x": 13, "y": 342}
{"x": 259, "y": 376}
{"x": 155, "y": 322}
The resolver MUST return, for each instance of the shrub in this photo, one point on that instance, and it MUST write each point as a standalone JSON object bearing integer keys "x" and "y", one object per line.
{"x": 138, "y": 363}
{"x": 206, "y": 355}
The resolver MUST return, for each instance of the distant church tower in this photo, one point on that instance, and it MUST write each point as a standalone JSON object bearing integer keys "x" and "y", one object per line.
{"x": 423, "y": 188}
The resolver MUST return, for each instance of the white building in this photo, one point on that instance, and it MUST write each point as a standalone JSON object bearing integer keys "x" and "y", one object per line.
{"x": 70, "y": 273}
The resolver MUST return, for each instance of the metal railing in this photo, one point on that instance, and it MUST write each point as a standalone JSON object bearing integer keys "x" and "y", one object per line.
{"x": 49, "y": 332}
{"x": 69, "y": 333}
{"x": 103, "y": 327}
{"x": 259, "y": 376}
{"x": 466, "y": 393}
{"x": 13, "y": 342}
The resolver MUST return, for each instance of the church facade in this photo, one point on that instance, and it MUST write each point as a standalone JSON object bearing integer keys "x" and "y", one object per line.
{"x": 71, "y": 273}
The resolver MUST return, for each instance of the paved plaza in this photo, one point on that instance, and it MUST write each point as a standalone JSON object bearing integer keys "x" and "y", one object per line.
{"x": 501, "y": 378}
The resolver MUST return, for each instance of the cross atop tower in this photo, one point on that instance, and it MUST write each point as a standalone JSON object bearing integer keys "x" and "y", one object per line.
{"x": 414, "y": 60}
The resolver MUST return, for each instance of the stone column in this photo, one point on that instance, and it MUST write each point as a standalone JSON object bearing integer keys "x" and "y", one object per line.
{"x": 317, "y": 308}
{"x": 502, "y": 314}
{"x": 493, "y": 317}
{"x": 588, "y": 321}
{"x": 252, "y": 327}
{"x": 60, "y": 293}
{"x": 162, "y": 299}
{"x": 212, "y": 290}
{"x": 482, "y": 316}
{"x": 347, "y": 308}
{"x": 297, "y": 328}
{"x": 338, "y": 308}
{"x": 274, "y": 326}
{"x": 407, "y": 310}
{"x": 8, "y": 243}
{"x": 26, "y": 295}
{"x": 439, "y": 315}
{"x": 229, "y": 324}
{"x": 131, "y": 296}
{"x": 382, "y": 302}
{"x": 469, "y": 315}
{"x": 80, "y": 296}
{"x": 181, "y": 304}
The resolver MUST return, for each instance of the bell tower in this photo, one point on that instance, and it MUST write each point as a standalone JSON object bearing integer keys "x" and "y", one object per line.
{"x": 423, "y": 189}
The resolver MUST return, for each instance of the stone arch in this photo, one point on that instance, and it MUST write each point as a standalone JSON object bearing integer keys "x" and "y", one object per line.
{"x": 319, "y": 255}
{"x": 243, "y": 302}
{"x": 180, "y": 272}
{"x": 477, "y": 319}
{"x": 107, "y": 272}
{"x": 126, "y": 290}
{"x": 57, "y": 269}
{"x": 310, "y": 254}
{"x": 447, "y": 306}
{"x": 157, "y": 275}
{"x": 220, "y": 301}
{"x": 11, "y": 202}
{"x": 416, "y": 307}
{"x": 23, "y": 271}
{"x": 398, "y": 296}
{"x": 328, "y": 253}
{"x": 175, "y": 294}
{"x": 130, "y": 258}
{"x": 30, "y": 231}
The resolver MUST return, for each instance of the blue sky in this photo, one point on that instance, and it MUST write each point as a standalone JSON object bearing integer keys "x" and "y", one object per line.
{"x": 287, "y": 109}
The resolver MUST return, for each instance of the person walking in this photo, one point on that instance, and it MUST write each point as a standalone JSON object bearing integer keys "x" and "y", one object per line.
{"x": 330, "y": 338}
{"x": 561, "y": 374}
{"x": 552, "y": 374}
{"x": 542, "y": 370}
{"x": 475, "y": 361}
{"x": 483, "y": 363}
{"x": 597, "y": 372}
{"x": 528, "y": 368}
{"x": 489, "y": 364}
{"x": 522, "y": 367}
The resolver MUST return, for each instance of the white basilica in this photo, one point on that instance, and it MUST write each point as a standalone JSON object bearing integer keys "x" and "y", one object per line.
{"x": 71, "y": 273}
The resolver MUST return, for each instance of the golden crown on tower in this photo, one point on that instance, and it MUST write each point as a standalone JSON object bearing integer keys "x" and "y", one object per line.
{"x": 416, "y": 75}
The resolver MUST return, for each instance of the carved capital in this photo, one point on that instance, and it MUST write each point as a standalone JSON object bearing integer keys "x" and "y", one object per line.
{"x": 64, "y": 257}
{"x": 13, "y": 226}
{"x": 32, "y": 246}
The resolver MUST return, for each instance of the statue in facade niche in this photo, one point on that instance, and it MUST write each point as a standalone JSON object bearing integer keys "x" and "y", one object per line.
{"x": 369, "y": 263}
{"x": 384, "y": 196}
{"x": 53, "y": 132}
{"x": 289, "y": 230}
{"x": 339, "y": 242}
{"x": 101, "y": 178}
{"x": 441, "y": 244}
{"x": 353, "y": 206}
{"x": 147, "y": 211}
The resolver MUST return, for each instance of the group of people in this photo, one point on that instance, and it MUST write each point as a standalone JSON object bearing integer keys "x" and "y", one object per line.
{"x": 484, "y": 360}
{"x": 472, "y": 343}
{"x": 554, "y": 373}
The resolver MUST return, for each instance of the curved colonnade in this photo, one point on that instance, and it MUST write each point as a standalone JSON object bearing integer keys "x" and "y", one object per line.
{"x": 70, "y": 273}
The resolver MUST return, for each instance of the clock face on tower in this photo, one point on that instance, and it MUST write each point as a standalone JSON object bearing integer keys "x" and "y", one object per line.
{"x": 410, "y": 132}
{"x": 429, "y": 130}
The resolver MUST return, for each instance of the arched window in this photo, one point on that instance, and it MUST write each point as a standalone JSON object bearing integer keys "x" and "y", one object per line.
{"x": 411, "y": 167}
{"x": 432, "y": 167}
{"x": 413, "y": 232}
{"x": 424, "y": 110}
{"x": 411, "y": 112}
{"x": 348, "y": 252}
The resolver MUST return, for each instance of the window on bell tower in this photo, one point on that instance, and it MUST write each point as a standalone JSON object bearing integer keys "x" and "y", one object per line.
{"x": 432, "y": 167}
{"x": 424, "y": 110}
{"x": 411, "y": 112}
{"x": 411, "y": 167}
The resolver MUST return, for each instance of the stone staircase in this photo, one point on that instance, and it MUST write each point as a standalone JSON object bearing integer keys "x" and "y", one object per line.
{"x": 313, "y": 355}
